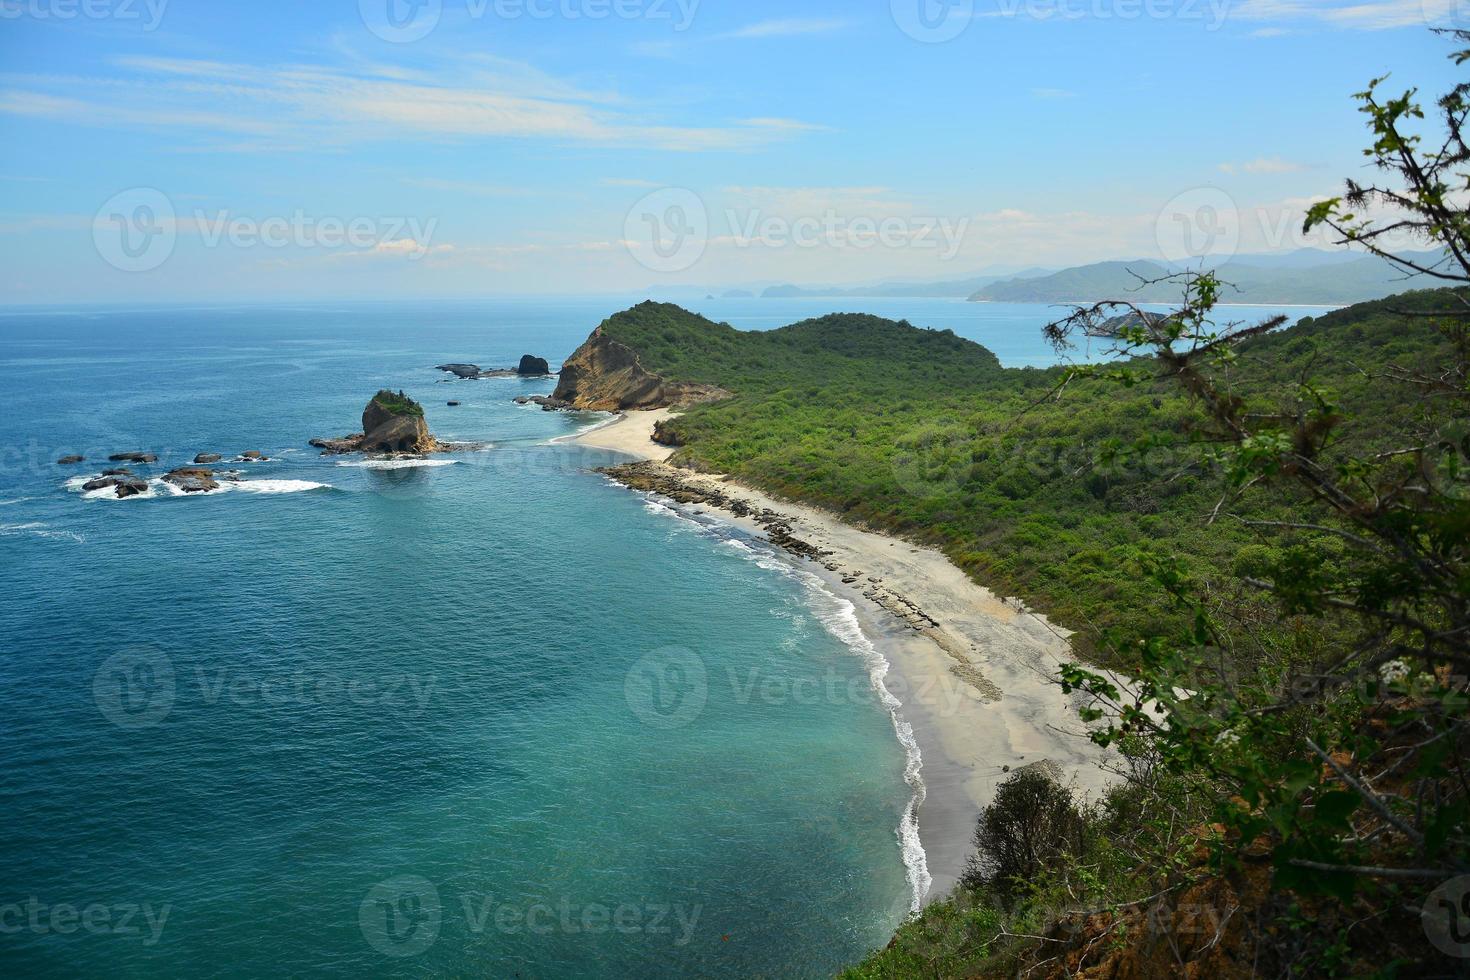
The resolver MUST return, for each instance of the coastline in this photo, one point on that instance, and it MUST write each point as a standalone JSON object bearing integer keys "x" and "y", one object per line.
{"x": 971, "y": 670}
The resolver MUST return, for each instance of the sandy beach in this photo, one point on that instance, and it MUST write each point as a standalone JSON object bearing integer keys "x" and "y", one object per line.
{"x": 972, "y": 669}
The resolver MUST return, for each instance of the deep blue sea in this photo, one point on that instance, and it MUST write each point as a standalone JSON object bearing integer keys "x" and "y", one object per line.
{"x": 489, "y": 717}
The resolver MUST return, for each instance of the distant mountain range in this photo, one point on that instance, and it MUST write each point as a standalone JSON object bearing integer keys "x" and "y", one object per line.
{"x": 1309, "y": 277}
{"x": 950, "y": 289}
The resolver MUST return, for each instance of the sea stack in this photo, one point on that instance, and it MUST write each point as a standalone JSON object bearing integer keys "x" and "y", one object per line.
{"x": 391, "y": 423}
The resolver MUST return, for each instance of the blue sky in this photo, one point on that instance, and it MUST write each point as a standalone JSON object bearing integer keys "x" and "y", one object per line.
{"x": 161, "y": 150}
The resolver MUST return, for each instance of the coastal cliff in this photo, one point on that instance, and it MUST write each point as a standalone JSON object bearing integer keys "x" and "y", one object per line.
{"x": 605, "y": 375}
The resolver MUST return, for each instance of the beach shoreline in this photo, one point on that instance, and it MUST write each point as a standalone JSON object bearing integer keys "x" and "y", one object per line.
{"x": 974, "y": 672}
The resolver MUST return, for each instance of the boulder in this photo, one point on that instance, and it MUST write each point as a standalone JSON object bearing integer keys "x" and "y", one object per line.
{"x": 207, "y": 458}
{"x": 454, "y": 404}
{"x": 533, "y": 367}
{"x": 192, "y": 480}
{"x": 122, "y": 486}
{"x": 120, "y": 471}
{"x": 70, "y": 460}
{"x": 254, "y": 454}
{"x": 133, "y": 458}
{"x": 466, "y": 371}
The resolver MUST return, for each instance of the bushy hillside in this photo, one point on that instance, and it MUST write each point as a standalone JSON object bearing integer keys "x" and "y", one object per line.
{"x": 923, "y": 433}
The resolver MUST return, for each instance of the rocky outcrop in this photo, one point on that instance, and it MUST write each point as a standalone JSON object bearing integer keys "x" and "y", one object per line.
{"x": 468, "y": 372}
{"x": 192, "y": 480}
{"x": 533, "y": 367}
{"x": 254, "y": 456}
{"x": 207, "y": 458}
{"x": 530, "y": 366}
{"x": 547, "y": 402}
{"x": 122, "y": 486}
{"x": 391, "y": 423}
{"x": 70, "y": 460}
{"x": 133, "y": 458}
{"x": 604, "y": 375}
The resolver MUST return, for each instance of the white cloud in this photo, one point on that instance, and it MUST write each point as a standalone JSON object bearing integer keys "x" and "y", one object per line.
{"x": 790, "y": 27}
{"x": 296, "y": 106}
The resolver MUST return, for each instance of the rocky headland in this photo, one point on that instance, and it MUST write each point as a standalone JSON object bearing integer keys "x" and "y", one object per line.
{"x": 604, "y": 375}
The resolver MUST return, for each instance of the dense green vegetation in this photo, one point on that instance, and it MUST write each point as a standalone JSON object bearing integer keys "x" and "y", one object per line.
{"x": 397, "y": 403}
{"x": 923, "y": 433}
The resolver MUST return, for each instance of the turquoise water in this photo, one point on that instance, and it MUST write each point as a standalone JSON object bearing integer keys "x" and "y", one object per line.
{"x": 493, "y": 717}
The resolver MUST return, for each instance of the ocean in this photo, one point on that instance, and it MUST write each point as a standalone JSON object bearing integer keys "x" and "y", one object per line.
{"x": 489, "y": 716}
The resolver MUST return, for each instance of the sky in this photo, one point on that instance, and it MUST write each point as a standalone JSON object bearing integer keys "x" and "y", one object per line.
{"x": 187, "y": 150}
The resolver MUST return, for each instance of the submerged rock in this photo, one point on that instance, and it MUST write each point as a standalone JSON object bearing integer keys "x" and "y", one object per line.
{"x": 70, "y": 460}
{"x": 133, "y": 458}
{"x": 192, "y": 480}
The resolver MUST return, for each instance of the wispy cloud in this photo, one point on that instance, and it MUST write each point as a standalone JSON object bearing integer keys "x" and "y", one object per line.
{"x": 789, "y": 27}
{"x": 1362, "y": 15}
{"x": 1264, "y": 165}
{"x": 294, "y": 106}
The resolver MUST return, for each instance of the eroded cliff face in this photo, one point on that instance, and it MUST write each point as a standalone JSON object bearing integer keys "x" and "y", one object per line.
{"x": 604, "y": 375}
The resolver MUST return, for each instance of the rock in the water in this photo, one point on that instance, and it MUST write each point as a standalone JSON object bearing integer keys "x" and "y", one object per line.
{"x": 120, "y": 471}
{"x": 122, "y": 486}
{"x": 466, "y": 371}
{"x": 391, "y": 423}
{"x": 133, "y": 458}
{"x": 192, "y": 480}
{"x": 454, "y": 404}
{"x": 254, "y": 454}
{"x": 548, "y": 403}
{"x": 207, "y": 458}
{"x": 532, "y": 366}
{"x": 70, "y": 460}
